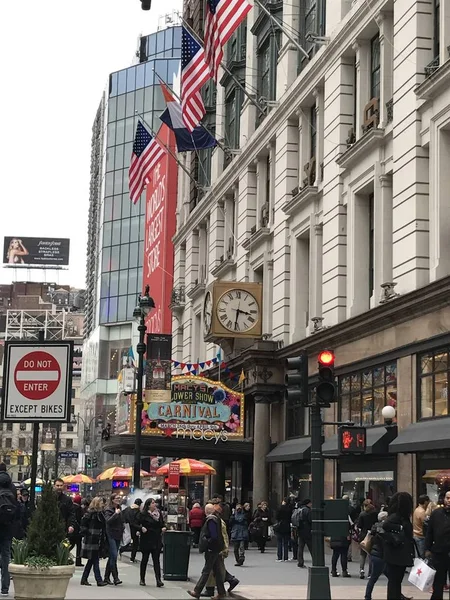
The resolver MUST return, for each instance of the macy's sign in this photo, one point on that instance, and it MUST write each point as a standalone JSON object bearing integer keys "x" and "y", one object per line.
{"x": 207, "y": 435}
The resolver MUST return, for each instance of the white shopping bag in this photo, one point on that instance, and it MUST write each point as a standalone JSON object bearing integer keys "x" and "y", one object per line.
{"x": 422, "y": 575}
{"x": 126, "y": 537}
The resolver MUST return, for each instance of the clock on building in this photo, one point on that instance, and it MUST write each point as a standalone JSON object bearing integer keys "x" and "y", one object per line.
{"x": 232, "y": 310}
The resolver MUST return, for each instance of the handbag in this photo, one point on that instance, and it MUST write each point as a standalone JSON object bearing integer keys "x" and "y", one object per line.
{"x": 276, "y": 527}
{"x": 393, "y": 538}
{"x": 367, "y": 543}
{"x": 126, "y": 536}
{"x": 422, "y": 575}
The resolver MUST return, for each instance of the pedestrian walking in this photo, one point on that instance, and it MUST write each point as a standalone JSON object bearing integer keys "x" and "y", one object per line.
{"x": 131, "y": 516}
{"x": 114, "y": 533}
{"x": 260, "y": 526}
{"x": 366, "y": 521}
{"x": 75, "y": 537}
{"x": 376, "y": 554}
{"x": 398, "y": 542}
{"x": 248, "y": 516}
{"x": 340, "y": 545}
{"x": 9, "y": 515}
{"x": 282, "y": 530}
{"x": 29, "y": 508}
{"x": 151, "y": 527}
{"x": 93, "y": 535}
{"x": 239, "y": 534}
{"x": 437, "y": 545}
{"x": 212, "y": 544}
{"x": 196, "y": 519}
{"x": 419, "y": 517}
{"x": 301, "y": 520}
{"x": 66, "y": 506}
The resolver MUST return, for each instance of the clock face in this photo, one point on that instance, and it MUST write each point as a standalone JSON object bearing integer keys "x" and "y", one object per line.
{"x": 207, "y": 313}
{"x": 238, "y": 311}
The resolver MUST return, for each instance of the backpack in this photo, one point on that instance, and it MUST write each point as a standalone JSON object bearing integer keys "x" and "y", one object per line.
{"x": 298, "y": 517}
{"x": 8, "y": 506}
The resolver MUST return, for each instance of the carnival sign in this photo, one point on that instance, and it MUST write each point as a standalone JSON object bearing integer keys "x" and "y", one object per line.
{"x": 200, "y": 408}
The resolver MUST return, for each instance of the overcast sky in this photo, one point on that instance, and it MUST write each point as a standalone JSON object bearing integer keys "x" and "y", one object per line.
{"x": 55, "y": 59}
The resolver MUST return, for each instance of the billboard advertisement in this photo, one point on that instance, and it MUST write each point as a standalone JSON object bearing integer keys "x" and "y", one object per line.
{"x": 199, "y": 409}
{"x": 31, "y": 251}
{"x": 158, "y": 367}
{"x": 160, "y": 225}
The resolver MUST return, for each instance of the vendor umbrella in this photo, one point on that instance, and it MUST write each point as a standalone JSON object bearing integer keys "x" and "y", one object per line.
{"x": 79, "y": 478}
{"x": 119, "y": 473}
{"x": 189, "y": 467}
{"x": 28, "y": 482}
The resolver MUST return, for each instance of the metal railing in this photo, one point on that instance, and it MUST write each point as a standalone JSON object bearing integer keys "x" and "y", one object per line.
{"x": 390, "y": 110}
{"x": 432, "y": 67}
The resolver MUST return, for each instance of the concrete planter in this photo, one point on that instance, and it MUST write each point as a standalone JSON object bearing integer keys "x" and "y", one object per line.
{"x": 48, "y": 583}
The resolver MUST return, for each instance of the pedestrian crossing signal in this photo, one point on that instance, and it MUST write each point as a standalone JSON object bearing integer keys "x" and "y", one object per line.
{"x": 352, "y": 440}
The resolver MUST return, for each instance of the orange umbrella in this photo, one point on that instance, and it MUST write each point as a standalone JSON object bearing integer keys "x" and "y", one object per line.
{"x": 189, "y": 467}
{"x": 79, "y": 478}
{"x": 119, "y": 473}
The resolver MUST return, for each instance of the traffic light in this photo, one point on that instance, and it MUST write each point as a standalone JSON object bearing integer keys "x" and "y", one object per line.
{"x": 146, "y": 4}
{"x": 88, "y": 462}
{"x": 296, "y": 379}
{"x": 326, "y": 388}
{"x": 94, "y": 462}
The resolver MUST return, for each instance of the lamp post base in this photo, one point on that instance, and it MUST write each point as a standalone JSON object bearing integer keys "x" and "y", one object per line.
{"x": 319, "y": 583}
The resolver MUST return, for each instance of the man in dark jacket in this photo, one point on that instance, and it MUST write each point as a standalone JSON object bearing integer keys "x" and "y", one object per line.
{"x": 28, "y": 508}
{"x": 211, "y": 536}
{"x": 130, "y": 516}
{"x": 9, "y": 514}
{"x": 66, "y": 507}
{"x": 437, "y": 546}
{"x": 366, "y": 520}
{"x": 303, "y": 531}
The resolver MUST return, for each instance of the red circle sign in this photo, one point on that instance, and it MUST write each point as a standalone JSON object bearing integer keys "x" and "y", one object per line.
{"x": 37, "y": 375}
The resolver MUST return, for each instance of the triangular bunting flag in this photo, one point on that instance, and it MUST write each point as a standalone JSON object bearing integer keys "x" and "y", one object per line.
{"x": 208, "y": 363}
{"x": 202, "y": 365}
{"x": 182, "y": 365}
{"x": 223, "y": 365}
{"x": 214, "y": 361}
{"x": 175, "y": 363}
{"x": 194, "y": 372}
{"x": 189, "y": 366}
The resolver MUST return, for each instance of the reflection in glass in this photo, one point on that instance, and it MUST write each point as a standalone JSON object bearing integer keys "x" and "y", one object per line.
{"x": 122, "y": 309}
{"x": 376, "y": 485}
{"x": 161, "y": 68}
{"x": 345, "y": 408}
{"x": 134, "y": 255}
{"x": 149, "y": 74}
{"x": 173, "y": 70}
{"x": 378, "y": 376}
{"x": 148, "y": 99}
{"x": 379, "y": 402}
{"x": 125, "y": 206}
{"x": 151, "y": 50}
{"x": 104, "y": 287}
{"x": 440, "y": 394}
{"x": 104, "y": 310}
{"x": 123, "y": 283}
{"x": 426, "y": 397}
{"x": 114, "y": 283}
{"x": 140, "y": 76}
{"x": 117, "y": 206}
{"x": 159, "y": 103}
{"x": 440, "y": 361}
{"x": 118, "y": 186}
{"x": 113, "y": 84}
{"x": 118, "y": 162}
{"x": 111, "y": 136}
{"x": 426, "y": 363}
{"x": 115, "y": 250}
{"x": 134, "y": 229}
{"x": 106, "y": 259}
{"x": 125, "y": 234}
{"x": 367, "y": 409}
{"x": 112, "y": 106}
{"x": 122, "y": 83}
{"x": 121, "y": 107}
{"x": 129, "y": 110}
{"x": 110, "y": 159}
{"x": 355, "y": 406}
{"x": 112, "y": 310}
{"x": 115, "y": 233}
{"x": 129, "y": 129}
{"x": 107, "y": 209}
{"x": 124, "y": 251}
{"x": 107, "y": 228}
{"x": 160, "y": 42}
{"x": 177, "y": 37}
{"x": 131, "y": 79}
{"x": 132, "y": 281}
{"x": 131, "y": 305}
{"x": 120, "y": 132}
{"x": 139, "y": 101}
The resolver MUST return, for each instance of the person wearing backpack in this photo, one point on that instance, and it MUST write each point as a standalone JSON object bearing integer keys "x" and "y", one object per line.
{"x": 301, "y": 530}
{"x": 9, "y": 514}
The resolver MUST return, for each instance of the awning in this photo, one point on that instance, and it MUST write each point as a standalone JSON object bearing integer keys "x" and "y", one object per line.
{"x": 377, "y": 441}
{"x": 431, "y": 434}
{"x": 290, "y": 450}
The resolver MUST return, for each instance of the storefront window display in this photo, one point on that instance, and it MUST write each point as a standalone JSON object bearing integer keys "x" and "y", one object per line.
{"x": 298, "y": 480}
{"x": 362, "y": 395}
{"x": 376, "y": 485}
{"x": 433, "y": 384}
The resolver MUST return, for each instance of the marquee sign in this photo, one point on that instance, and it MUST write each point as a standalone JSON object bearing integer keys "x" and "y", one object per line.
{"x": 200, "y": 408}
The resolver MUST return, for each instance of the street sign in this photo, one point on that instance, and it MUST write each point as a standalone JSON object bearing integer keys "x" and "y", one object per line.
{"x": 37, "y": 381}
{"x": 68, "y": 454}
{"x": 351, "y": 440}
{"x": 174, "y": 475}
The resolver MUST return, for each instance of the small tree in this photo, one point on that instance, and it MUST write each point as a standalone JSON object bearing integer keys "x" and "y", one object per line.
{"x": 46, "y": 532}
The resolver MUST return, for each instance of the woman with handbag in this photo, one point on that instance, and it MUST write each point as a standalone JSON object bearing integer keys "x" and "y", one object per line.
{"x": 260, "y": 526}
{"x": 398, "y": 542}
{"x": 151, "y": 527}
{"x": 373, "y": 545}
{"x": 114, "y": 533}
{"x": 340, "y": 546}
{"x": 366, "y": 521}
{"x": 282, "y": 529}
{"x": 93, "y": 533}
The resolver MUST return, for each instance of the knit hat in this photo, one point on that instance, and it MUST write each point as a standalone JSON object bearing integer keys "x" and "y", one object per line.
{"x": 77, "y": 499}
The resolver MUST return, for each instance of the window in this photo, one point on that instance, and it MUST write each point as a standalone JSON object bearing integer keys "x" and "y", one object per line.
{"x": 8, "y": 443}
{"x": 22, "y": 443}
{"x": 264, "y": 71}
{"x": 69, "y": 443}
{"x": 371, "y": 244}
{"x": 437, "y": 24}
{"x": 362, "y": 395}
{"x": 73, "y": 392}
{"x": 69, "y": 427}
{"x": 313, "y": 131}
{"x": 375, "y": 67}
{"x": 310, "y": 22}
{"x": 21, "y": 460}
{"x": 9, "y": 426}
{"x": 433, "y": 394}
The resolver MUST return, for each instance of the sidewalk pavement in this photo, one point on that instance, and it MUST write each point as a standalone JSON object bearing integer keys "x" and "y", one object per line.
{"x": 261, "y": 578}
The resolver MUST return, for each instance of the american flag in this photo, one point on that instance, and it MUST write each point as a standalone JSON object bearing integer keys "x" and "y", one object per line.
{"x": 194, "y": 74}
{"x": 223, "y": 17}
{"x": 146, "y": 153}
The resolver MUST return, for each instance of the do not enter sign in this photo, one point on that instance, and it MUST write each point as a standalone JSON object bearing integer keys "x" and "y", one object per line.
{"x": 37, "y": 382}
{"x": 37, "y": 375}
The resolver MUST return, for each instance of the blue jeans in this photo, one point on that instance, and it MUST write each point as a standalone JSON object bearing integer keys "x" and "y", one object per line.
{"x": 5, "y": 556}
{"x": 94, "y": 563}
{"x": 378, "y": 567}
{"x": 420, "y": 543}
{"x": 283, "y": 546}
{"x": 111, "y": 565}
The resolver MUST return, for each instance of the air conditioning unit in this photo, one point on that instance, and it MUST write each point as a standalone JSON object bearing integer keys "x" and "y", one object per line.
{"x": 371, "y": 115}
{"x": 265, "y": 211}
{"x": 310, "y": 171}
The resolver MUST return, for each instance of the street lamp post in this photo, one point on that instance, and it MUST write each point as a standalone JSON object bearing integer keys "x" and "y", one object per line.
{"x": 145, "y": 305}
{"x": 86, "y": 433}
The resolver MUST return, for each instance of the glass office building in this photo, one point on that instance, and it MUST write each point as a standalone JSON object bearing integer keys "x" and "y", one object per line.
{"x": 116, "y": 226}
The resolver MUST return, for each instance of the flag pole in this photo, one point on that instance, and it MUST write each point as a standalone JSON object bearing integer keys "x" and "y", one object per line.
{"x": 155, "y": 135}
{"x": 226, "y": 69}
{"x": 221, "y": 146}
{"x": 283, "y": 29}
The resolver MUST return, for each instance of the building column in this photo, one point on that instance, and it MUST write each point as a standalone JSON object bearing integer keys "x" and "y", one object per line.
{"x": 246, "y": 219}
{"x": 268, "y": 296}
{"x": 315, "y": 273}
{"x": 382, "y": 234}
{"x": 303, "y": 145}
{"x": 318, "y": 95}
{"x": 261, "y": 447}
{"x": 362, "y": 51}
{"x": 384, "y": 22}
{"x": 218, "y": 480}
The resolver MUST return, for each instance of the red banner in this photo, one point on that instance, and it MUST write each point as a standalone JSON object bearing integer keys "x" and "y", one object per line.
{"x": 160, "y": 226}
{"x": 174, "y": 475}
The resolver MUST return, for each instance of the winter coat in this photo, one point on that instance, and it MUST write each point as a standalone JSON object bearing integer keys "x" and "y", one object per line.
{"x": 377, "y": 541}
{"x": 403, "y": 554}
{"x": 152, "y": 538}
{"x": 66, "y": 510}
{"x": 78, "y": 515}
{"x": 261, "y": 523}
{"x": 366, "y": 521}
{"x": 131, "y": 516}
{"x": 114, "y": 523}
{"x": 239, "y": 527}
{"x": 211, "y": 536}
{"x": 304, "y": 529}
{"x": 284, "y": 514}
{"x": 196, "y": 517}
{"x": 341, "y": 542}
{"x": 93, "y": 531}
{"x": 19, "y": 524}
{"x": 437, "y": 539}
{"x": 7, "y": 530}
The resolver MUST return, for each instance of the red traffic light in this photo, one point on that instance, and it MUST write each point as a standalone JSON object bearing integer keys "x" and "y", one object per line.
{"x": 326, "y": 358}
